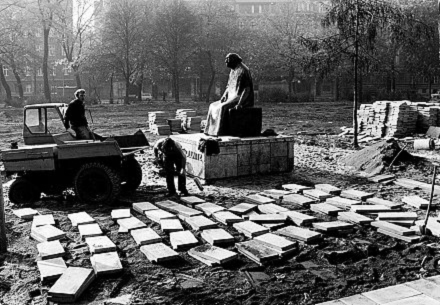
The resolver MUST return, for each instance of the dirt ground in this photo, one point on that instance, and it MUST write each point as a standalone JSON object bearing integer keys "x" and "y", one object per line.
{"x": 340, "y": 265}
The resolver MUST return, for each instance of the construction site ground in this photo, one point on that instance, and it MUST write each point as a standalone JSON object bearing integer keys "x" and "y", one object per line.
{"x": 338, "y": 266}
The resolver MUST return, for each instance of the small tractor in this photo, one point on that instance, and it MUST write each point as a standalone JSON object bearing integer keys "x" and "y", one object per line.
{"x": 52, "y": 160}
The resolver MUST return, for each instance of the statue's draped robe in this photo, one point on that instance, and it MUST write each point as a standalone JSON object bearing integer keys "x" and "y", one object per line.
{"x": 239, "y": 79}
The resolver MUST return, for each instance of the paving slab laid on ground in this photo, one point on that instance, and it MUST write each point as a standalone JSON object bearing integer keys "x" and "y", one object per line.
{"x": 106, "y": 263}
{"x": 183, "y": 240}
{"x": 191, "y": 200}
{"x": 141, "y": 207}
{"x": 170, "y": 225}
{"x": 332, "y": 226}
{"x": 120, "y": 214}
{"x": 246, "y": 216}
{"x": 42, "y": 220}
{"x": 145, "y": 236}
{"x": 47, "y": 233}
{"x": 50, "y": 249}
{"x": 100, "y": 244}
{"x": 257, "y": 252}
{"x": 212, "y": 254}
{"x": 258, "y": 199}
{"x": 301, "y": 234}
{"x": 296, "y": 188}
{"x": 209, "y": 208}
{"x": 272, "y": 226}
{"x": 382, "y": 178}
{"x": 71, "y": 285}
{"x": 227, "y": 218}
{"x": 200, "y": 223}
{"x": 243, "y": 208}
{"x": 280, "y": 244}
{"x": 299, "y": 219}
{"x": 217, "y": 237}
{"x": 89, "y": 230}
{"x": 388, "y": 203}
{"x": 370, "y": 209}
{"x": 26, "y": 213}
{"x": 268, "y": 218}
{"x": 392, "y": 228}
{"x": 177, "y": 208}
{"x": 397, "y": 216}
{"x": 250, "y": 229}
{"x": 417, "y": 202}
{"x": 297, "y": 199}
{"x": 271, "y": 208}
{"x": 325, "y": 208}
{"x": 355, "y": 194}
{"x": 157, "y": 215}
{"x": 343, "y": 203}
{"x": 159, "y": 253}
{"x": 329, "y": 189}
{"x": 317, "y": 194}
{"x": 276, "y": 194}
{"x": 354, "y": 218}
{"x": 51, "y": 269}
{"x": 80, "y": 218}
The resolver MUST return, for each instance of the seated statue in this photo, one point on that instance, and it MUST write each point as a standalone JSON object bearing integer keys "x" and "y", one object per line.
{"x": 239, "y": 94}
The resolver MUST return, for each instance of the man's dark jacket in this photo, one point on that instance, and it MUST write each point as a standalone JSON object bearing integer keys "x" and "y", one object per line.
{"x": 75, "y": 115}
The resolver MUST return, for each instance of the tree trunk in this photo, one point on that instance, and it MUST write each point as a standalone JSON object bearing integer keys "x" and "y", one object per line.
{"x": 3, "y": 238}
{"x": 127, "y": 86}
{"x": 289, "y": 83}
{"x": 429, "y": 86}
{"x": 19, "y": 83}
{"x": 212, "y": 79}
{"x": 356, "y": 61}
{"x": 111, "y": 89}
{"x": 141, "y": 84}
{"x": 77, "y": 76}
{"x": 5, "y": 85}
{"x": 361, "y": 88}
{"x": 176, "y": 87}
{"x": 47, "y": 96}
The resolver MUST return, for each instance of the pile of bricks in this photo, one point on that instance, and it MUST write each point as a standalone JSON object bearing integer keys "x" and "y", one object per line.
{"x": 189, "y": 118}
{"x": 157, "y": 122}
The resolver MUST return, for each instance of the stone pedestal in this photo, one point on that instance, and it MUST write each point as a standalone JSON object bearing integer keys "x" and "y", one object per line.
{"x": 238, "y": 156}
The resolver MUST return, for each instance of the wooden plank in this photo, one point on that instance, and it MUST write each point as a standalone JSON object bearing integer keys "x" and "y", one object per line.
{"x": 131, "y": 223}
{"x": 354, "y": 218}
{"x": 159, "y": 253}
{"x": 182, "y": 240}
{"x": 200, "y": 223}
{"x": 297, "y": 199}
{"x": 397, "y": 216}
{"x": 256, "y": 252}
{"x": 242, "y": 208}
{"x": 26, "y": 213}
{"x": 296, "y": 188}
{"x": 275, "y": 242}
{"x": 227, "y": 218}
{"x": 343, "y": 203}
{"x": 51, "y": 269}
{"x": 158, "y": 215}
{"x": 331, "y": 226}
{"x": 388, "y": 203}
{"x": 209, "y": 208}
{"x": 50, "y": 249}
{"x": 191, "y": 200}
{"x": 80, "y": 218}
{"x": 356, "y": 194}
{"x": 271, "y": 208}
{"x": 250, "y": 229}
{"x": 268, "y": 218}
{"x": 141, "y": 207}
{"x": 71, "y": 284}
{"x": 417, "y": 202}
{"x": 370, "y": 209}
{"x": 298, "y": 218}
{"x": 325, "y": 209}
{"x": 145, "y": 236}
{"x": 258, "y": 199}
{"x": 217, "y": 237}
{"x": 329, "y": 189}
{"x": 214, "y": 254}
{"x": 316, "y": 194}
{"x": 46, "y": 233}
{"x": 106, "y": 263}
{"x": 395, "y": 229}
{"x": 100, "y": 244}
{"x": 170, "y": 225}
{"x": 89, "y": 230}
{"x": 120, "y": 214}
{"x": 299, "y": 233}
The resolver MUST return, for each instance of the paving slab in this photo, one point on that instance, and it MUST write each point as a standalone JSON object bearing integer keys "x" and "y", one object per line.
{"x": 131, "y": 223}
{"x": 209, "y": 208}
{"x": 246, "y": 216}
{"x": 42, "y": 220}
{"x": 170, "y": 225}
{"x": 141, "y": 207}
{"x": 80, "y": 218}
{"x": 203, "y": 260}
{"x": 214, "y": 254}
{"x": 227, "y": 218}
{"x": 47, "y": 233}
{"x": 416, "y": 300}
{"x": 177, "y": 208}
{"x": 106, "y": 263}
{"x": 272, "y": 226}
{"x": 370, "y": 209}
{"x": 182, "y": 240}
{"x": 316, "y": 194}
{"x": 243, "y": 208}
{"x": 336, "y": 302}
{"x": 432, "y": 226}
{"x": 299, "y": 233}
{"x": 429, "y": 288}
{"x": 89, "y": 230}
{"x": 388, "y": 203}
{"x": 268, "y": 218}
{"x": 159, "y": 252}
{"x": 331, "y": 226}
{"x": 258, "y": 199}
{"x": 271, "y": 208}
{"x": 50, "y": 249}
{"x": 120, "y": 214}
{"x": 357, "y": 299}
{"x": 217, "y": 237}
{"x": 276, "y": 194}
{"x": 70, "y": 286}
{"x": 417, "y": 202}
{"x": 250, "y": 229}
{"x": 325, "y": 208}
{"x": 407, "y": 238}
{"x": 297, "y": 199}
{"x": 145, "y": 236}
{"x": 382, "y": 178}
{"x": 434, "y": 279}
{"x": 298, "y": 218}
{"x": 356, "y": 194}
{"x": 296, "y": 188}
{"x": 257, "y": 252}
{"x": 51, "y": 269}
{"x": 26, "y": 213}
{"x": 392, "y": 228}
{"x": 157, "y": 215}
{"x": 329, "y": 189}
{"x": 354, "y": 218}
{"x": 275, "y": 242}
{"x": 343, "y": 203}
{"x": 391, "y": 294}
{"x": 191, "y": 200}
{"x": 100, "y": 244}
{"x": 200, "y": 223}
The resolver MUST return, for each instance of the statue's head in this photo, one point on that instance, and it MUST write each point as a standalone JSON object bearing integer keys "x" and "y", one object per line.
{"x": 232, "y": 60}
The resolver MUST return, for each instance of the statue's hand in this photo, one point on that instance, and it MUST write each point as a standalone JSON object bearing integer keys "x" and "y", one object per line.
{"x": 223, "y": 99}
{"x": 238, "y": 107}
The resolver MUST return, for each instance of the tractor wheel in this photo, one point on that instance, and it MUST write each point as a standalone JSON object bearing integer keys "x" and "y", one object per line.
{"x": 97, "y": 183}
{"x": 22, "y": 190}
{"x": 133, "y": 175}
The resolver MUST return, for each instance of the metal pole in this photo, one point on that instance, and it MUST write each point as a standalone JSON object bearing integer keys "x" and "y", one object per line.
{"x": 430, "y": 199}
{"x": 3, "y": 239}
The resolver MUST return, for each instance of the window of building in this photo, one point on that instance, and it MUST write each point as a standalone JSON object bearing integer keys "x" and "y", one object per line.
{"x": 40, "y": 88}
{"x": 40, "y": 72}
{"x": 54, "y": 71}
{"x": 67, "y": 70}
{"x": 5, "y": 71}
{"x": 435, "y": 80}
{"x": 28, "y": 71}
{"x": 51, "y": 50}
{"x": 28, "y": 89}
{"x": 53, "y": 89}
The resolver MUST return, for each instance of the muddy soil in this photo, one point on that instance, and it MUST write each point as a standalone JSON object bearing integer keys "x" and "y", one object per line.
{"x": 341, "y": 265}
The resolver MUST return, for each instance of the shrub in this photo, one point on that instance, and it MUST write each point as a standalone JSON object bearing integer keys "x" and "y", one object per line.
{"x": 272, "y": 95}
{"x": 302, "y": 98}
{"x": 15, "y": 102}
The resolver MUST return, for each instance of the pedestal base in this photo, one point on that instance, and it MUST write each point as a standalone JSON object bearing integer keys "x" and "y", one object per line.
{"x": 238, "y": 156}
